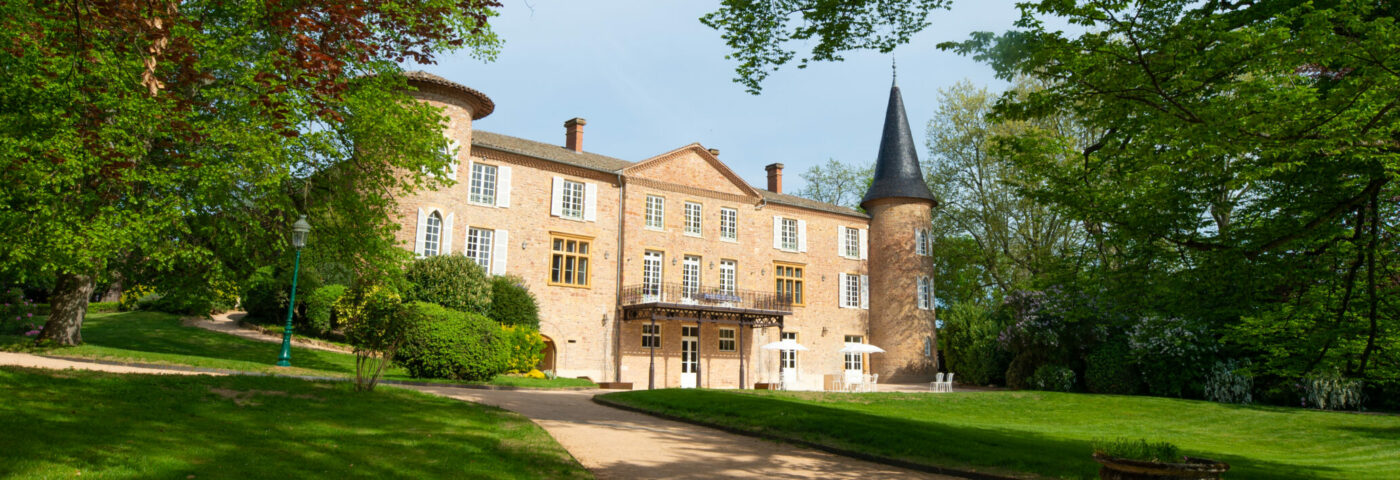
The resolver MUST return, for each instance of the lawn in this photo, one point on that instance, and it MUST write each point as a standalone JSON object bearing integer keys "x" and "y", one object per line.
{"x": 62, "y": 424}
{"x": 159, "y": 338}
{"x": 1050, "y": 433}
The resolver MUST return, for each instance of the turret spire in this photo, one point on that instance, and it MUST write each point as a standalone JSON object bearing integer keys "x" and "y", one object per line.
{"x": 897, "y": 172}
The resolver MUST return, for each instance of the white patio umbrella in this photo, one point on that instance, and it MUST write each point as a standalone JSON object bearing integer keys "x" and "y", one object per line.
{"x": 861, "y": 348}
{"x": 785, "y": 344}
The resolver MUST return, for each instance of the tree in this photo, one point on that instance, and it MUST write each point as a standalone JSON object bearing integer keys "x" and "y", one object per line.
{"x": 837, "y": 183}
{"x": 759, "y": 32}
{"x": 181, "y": 136}
{"x": 1242, "y": 155}
{"x": 1017, "y": 237}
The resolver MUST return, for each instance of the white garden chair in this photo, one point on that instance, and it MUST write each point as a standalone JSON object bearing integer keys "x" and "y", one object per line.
{"x": 937, "y": 384}
{"x": 869, "y": 385}
{"x": 944, "y": 385}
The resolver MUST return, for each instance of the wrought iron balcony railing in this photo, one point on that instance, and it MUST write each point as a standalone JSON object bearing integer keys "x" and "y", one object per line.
{"x": 705, "y": 297}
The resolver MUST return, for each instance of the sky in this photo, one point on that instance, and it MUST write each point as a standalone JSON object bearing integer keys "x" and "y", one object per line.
{"x": 649, "y": 77}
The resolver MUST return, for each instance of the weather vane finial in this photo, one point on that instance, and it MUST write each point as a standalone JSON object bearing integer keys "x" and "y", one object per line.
{"x": 894, "y": 72}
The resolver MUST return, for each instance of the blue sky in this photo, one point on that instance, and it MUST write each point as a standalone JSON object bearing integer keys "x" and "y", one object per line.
{"x": 649, "y": 78}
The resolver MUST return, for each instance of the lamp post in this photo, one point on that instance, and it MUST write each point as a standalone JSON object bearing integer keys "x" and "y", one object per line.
{"x": 299, "y": 231}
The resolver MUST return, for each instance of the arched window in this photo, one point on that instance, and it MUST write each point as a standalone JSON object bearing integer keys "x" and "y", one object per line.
{"x": 432, "y": 235}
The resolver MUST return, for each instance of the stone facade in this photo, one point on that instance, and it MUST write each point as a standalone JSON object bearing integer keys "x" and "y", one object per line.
{"x": 582, "y": 322}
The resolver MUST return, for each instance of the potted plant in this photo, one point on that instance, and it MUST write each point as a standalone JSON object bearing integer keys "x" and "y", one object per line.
{"x": 1125, "y": 459}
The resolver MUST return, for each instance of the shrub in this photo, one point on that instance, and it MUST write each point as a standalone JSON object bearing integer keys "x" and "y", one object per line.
{"x": 512, "y": 303}
{"x": 16, "y": 312}
{"x": 132, "y": 295}
{"x": 1052, "y": 378}
{"x": 266, "y": 293}
{"x": 445, "y": 343}
{"x": 1109, "y": 370}
{"x": 1170, "y": 352}
{"x": 969, "y": 345}
{"x": 536, "y": 374}
{"x": 1230, "y": 382}
{"x": 1142, "y": 450}
{"x": 377, "y": 324}
{"x": 452, "y": 281}
{"x": 320, "y": 308}
{"x": 1331, "y": 391}
{"x": 526, "y": 348}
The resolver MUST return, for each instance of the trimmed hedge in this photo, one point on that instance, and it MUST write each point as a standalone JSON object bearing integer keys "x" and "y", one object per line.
{"x": 445, "y": 343}
{"x": 512, "y": 303}
{"x": 452, "y": 281}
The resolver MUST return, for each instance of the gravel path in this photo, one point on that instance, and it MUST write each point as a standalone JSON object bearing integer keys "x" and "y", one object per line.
{"x": 228, "y": 323}
{"x": 35, "y": 361}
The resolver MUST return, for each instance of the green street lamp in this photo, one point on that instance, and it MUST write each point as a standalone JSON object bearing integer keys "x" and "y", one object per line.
{"x": 299, "y": 231}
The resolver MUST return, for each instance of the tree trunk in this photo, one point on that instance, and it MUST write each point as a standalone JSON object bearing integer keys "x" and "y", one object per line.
{"x": 114, "y": 290}
{"x": 67, "y": 309}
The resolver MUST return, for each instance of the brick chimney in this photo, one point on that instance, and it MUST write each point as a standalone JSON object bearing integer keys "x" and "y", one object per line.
{"x": 775, "y": 177}
{"x": 573, "y": 134}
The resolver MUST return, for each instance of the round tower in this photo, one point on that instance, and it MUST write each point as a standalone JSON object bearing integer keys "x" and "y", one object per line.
{"x": 900, "y": 207}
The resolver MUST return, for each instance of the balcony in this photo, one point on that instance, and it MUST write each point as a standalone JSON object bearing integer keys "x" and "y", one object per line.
{"x": 679, "y": 296}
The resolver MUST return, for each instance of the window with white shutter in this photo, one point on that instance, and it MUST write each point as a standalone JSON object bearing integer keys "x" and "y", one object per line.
{"x": 479, "y": 246}
{"x": 850, "y": 242}
{"x": 788, "y": 232}
{"x": 483, "y": 184}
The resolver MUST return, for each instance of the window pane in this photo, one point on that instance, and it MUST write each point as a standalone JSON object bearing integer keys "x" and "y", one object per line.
{"x": 556, "y": 271}
{"x": 582, "y": 276}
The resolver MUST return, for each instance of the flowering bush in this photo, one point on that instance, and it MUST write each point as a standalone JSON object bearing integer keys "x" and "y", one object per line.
{"x": 16, "y": 312}
{"x": 1230, "y": 382}
{"x": 1170, "y": 353}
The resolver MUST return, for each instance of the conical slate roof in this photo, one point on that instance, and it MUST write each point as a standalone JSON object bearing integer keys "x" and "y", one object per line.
{"x": 897, "y": 172}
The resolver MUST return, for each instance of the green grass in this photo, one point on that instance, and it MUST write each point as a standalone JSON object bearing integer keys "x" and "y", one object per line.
{"x": 60, "y": 424}
{"x": 159, "y": 338}
{"x": 1050, "y": 434}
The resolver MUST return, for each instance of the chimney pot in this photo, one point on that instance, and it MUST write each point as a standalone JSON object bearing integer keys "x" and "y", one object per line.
{"x": 775, "y": 177}
{"x": 573, "y": 134}
{"x": 714, "y": 151}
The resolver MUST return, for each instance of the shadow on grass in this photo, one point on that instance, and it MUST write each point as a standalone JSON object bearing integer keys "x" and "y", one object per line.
{"x": 146, "y": 426}
{"x": 920, "y": 439}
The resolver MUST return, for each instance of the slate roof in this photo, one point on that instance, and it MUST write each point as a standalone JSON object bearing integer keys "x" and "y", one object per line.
{"x": 602, "y": 163}
{"x": 897, "y": 172}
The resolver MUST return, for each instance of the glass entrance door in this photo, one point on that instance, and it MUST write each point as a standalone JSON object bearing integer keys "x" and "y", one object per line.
{"x": 690, "y": 356}
{"x": 651, "y": 276}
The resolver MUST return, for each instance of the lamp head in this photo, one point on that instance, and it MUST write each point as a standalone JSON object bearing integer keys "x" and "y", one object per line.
{"x": 299, "y": 231}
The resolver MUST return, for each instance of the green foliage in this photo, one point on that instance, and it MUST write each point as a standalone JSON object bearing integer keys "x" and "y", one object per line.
{"x": 445, "y": 343}
{"x": 760, "y": 34}
{"x": 452, "y": 281}
{"x": 1109, "y": 369}
{"x": 1170, "y": 353}
{"x": 837, "y": 183}
{"x": 526, "y": 347}
{"x": 377, "y": 324}
{"x": 103, "y": 307}
{"x": 1332, "y": 391}
{"x": 1052, "y": 378}
{"x": 320, "y": 308}
{"x": 512, "y": 303}
{"x": 210, "y": 132}
{"x": 968, "y": 342}
{"x": 1161, "y": 452}
{"x": 267, "y": 292}
{"x": 1229, "y": 381}
{"x": 132, "y": 295}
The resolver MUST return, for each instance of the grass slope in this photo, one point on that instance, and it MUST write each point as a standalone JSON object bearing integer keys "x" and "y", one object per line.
{"x": 98, "y": 425}
{"x": 1050, "y": 433}
{"x": 152, "y": 337}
